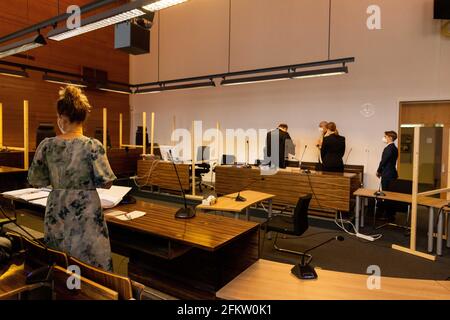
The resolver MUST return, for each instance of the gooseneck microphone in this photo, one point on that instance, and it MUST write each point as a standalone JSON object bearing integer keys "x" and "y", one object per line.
{"x": 186, "y": 212}
{"x": 240, "y": 198}
{"x": 304, "y": 270}
{"x": 301, "y": 160}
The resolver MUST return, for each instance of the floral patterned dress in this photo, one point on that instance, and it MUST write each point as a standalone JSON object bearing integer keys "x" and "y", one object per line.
{"x": 74, "y": 221}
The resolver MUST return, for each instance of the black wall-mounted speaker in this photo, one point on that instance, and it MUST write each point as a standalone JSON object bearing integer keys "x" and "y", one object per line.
{"x": 132, "y": 38}
{"x": 442, "y": 9}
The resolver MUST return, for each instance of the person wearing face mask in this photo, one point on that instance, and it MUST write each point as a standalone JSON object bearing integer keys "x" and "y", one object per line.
{"x": 387, "y": 170}
{"x": 332, "y": 150}
{"x": 74, "y": 166}
{"x": 323, "y": 131}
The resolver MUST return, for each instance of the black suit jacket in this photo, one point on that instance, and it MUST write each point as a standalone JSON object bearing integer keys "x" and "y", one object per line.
{"x": 282, "y": 137}
{"x": 332, "y": 151}
{"x": 387, "y": 168}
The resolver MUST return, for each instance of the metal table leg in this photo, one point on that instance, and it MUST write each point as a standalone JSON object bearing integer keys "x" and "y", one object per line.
{"x": 357, "y": 212}
{"x": 363, "y": 206}
{"x": 440, "y": 229}
{"x": 247, "y": 216}
{"x": 270, "y": 208}
{"x": 430, "y": 229}
{"x": 236, "y": 215}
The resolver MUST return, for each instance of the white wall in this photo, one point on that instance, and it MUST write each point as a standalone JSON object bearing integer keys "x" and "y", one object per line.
{"x": 407, "y": 59}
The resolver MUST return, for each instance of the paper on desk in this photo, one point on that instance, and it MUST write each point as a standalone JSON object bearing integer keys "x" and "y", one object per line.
{"x": 112, "y": 197}
{"x": 16, "y": 193}
{"x": 131, "y": 216}
{"x": 40, "y": 202}
{"x": 34, "y": 195}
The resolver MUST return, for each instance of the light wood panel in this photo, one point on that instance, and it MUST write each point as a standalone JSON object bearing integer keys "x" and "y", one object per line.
{"x": 228, "y": 202}
{"x": 94, "y": 50}
{"x": 267, "y": 33}
{"x": 262, "y": 282}
{"x": 163, "y": 175}
{"x": 333, "y": 190}
{"x": 194, "y": 39}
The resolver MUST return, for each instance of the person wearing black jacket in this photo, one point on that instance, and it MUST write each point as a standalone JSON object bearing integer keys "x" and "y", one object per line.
{"x": 333, "y": 150}
{"x": 387, "y": 170}
{"x": 285, "y": 143}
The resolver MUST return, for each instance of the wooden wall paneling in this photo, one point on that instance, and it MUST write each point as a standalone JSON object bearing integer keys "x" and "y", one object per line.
{"x": 94, "y": 50}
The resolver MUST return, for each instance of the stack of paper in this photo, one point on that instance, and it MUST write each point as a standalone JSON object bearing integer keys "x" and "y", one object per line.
{"x": 112, "y": 197}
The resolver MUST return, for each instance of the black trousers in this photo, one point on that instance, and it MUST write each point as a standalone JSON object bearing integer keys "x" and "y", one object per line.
{"x": 388, "y": 206}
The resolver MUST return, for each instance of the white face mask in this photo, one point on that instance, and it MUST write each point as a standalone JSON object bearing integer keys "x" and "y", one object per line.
{"x": 61, "y": 128}
{"x": 385, "y": 140}
{"x": 321, "y": 129}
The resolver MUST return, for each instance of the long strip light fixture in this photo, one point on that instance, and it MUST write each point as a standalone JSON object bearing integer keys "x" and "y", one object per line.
{"x": 64, "y": 81}
{"x": 162, "y": 87}
{"x": 123, "y": 13}
{"x": 14, "y": 73}
{"x": 298, "y": 71}
{"x": 22, "y": 46}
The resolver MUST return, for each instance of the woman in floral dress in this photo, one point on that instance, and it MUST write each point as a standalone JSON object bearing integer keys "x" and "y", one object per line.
{"x": 74, "y": 166}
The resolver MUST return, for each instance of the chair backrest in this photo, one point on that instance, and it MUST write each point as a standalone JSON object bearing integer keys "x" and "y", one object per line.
{"x": 300, "y": 218}
{"x": 37, "y": 255}
{"x": 120, "y": 284}
{"x": 89, "y": 290}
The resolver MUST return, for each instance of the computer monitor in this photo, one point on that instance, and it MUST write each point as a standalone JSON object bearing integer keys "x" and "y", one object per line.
{"x": 99, "y": 136}
{"x": 45, "y": 130}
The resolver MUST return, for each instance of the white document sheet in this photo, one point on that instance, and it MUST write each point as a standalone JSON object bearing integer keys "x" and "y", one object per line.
{"x": 112, "y": 197}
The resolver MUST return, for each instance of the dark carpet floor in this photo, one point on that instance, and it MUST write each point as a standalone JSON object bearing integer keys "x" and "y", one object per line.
{"x": 356, "y": 255}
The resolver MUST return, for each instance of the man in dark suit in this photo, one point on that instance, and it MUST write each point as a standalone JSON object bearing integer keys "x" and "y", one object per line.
{"x": 285, "y": 144}
{"x": 387, "y": 170}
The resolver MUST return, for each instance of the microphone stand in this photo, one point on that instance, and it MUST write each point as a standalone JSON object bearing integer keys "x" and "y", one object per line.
{"x": 307, "y": 171}
{"x": 304, "y": 270}
{"x": 186, "y": 212}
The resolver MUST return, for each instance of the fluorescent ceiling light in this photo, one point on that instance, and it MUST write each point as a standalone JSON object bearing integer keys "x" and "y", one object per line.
{"x": 115, "y": 89}
{"x": 57, "y": 80}
{"x": 162, "y": 87}
{"x": 320, "y": 73}
{"x": 22, "y": 46}
{"x": 286, "y": 76}
{"x": 13, "y": 73}
{"x": 114, "y": 16}
{"x": 412, "y": 125}
{"x": 148, "y": 91}
{"x": 162, "y": 4}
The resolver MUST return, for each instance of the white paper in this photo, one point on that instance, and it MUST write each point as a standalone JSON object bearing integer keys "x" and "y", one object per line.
{"x": 112, "y": 197}
{"x": 16, "y": 193}
{"x": 34, "y": 195}
{"x": 40, "y": 202}
{"x": 114, "y": 213}
{"x": 131, "y": 216}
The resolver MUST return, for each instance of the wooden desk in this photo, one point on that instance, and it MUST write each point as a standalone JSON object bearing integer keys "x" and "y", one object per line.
{"x": 190, "y": 259}
{"x": 268, "y": 280}
{"x": 431, "y": 203}
{"x": 163, "y": 175}
{"x": 333, "y": 190}
{"x": 229, "y": 204}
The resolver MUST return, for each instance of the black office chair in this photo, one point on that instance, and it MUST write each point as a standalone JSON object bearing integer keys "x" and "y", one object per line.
{"x": 399, "y": 186}
{"x": 45, "y": 130}
{"x": 99, "y": 136}
{"x": 202, "y": 168}
{"x": 295, "y": 225}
